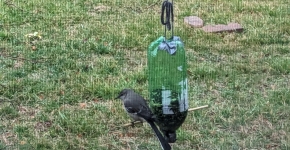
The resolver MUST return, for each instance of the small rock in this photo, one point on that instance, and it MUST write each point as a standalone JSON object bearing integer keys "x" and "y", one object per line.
{"x": 214, "y": 28}
{"x": 231, "y": 27}
{"x": 235, "y": 27}
{"x": 193, "y": 21}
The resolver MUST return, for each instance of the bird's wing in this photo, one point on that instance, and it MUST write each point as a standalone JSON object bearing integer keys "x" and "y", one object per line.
{"x": 145, "y": 112}
{"x": 131, "y": 110}
{"x": 140, "y": 109}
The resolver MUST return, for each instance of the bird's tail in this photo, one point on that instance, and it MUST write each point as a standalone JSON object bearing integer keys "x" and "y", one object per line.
{"x": 163, "y": 142}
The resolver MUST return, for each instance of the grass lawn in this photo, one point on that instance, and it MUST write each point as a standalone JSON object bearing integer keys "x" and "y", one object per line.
{"x": 57, "y": 87}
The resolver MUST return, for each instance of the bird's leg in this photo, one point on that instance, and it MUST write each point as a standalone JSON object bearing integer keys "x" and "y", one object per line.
{"x": 133, "y": 123}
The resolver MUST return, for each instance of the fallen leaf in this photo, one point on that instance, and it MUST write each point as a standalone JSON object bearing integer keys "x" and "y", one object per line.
{"x": 95, "y": 100}
{"x": 82, "y": 105}
{"x": 22, "y": 142}
{"x": 80, "y": 135}
{"x": 61, "y": 92}
{"x": 34, "y": 48}
{"x": 121, "y": 135}
{"x": 40, "y": 96}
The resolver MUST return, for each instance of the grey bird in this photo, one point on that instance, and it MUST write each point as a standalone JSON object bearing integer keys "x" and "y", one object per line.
{"x": 137, "y": 108}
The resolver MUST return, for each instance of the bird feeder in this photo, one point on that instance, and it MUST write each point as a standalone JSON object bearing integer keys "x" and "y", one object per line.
{"x": 168, "y": 96}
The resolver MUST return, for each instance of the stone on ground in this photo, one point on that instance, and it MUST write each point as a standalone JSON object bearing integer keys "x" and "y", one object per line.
{"x": 231, "y": 27}
{"x": 193, "y": 21}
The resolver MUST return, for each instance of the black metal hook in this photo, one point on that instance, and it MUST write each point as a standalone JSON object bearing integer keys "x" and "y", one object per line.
{"x": 167, "y": 8}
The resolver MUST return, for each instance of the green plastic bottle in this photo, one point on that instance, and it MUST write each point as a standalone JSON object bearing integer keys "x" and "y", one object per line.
{"x": 168, "y": 97}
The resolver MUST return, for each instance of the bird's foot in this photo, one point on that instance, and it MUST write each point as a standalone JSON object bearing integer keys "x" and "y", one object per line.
{"x": 133, "y": 123}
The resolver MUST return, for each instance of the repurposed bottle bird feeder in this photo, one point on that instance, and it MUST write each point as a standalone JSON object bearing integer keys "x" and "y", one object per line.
{"x": 168, "y": 96}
